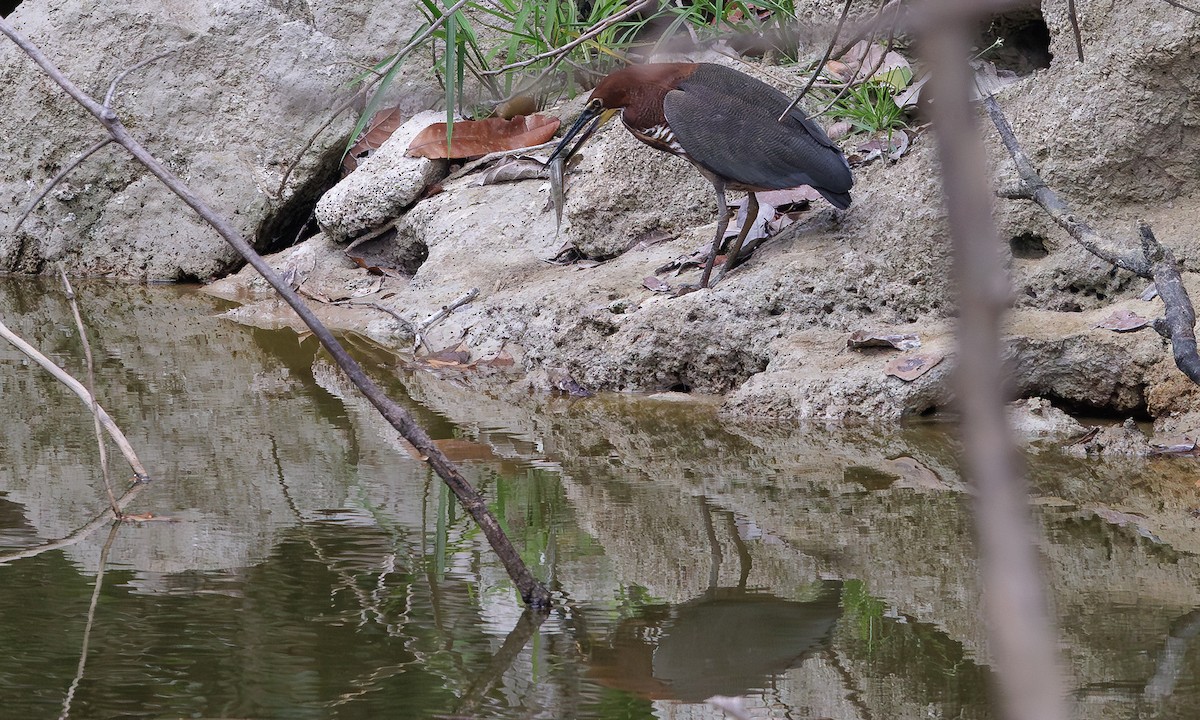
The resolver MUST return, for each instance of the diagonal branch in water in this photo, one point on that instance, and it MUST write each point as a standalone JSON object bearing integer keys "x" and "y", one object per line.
{"x": 78, "y": 535}
{"x": 77, "y": 387}
{"x": 532, "y": 592}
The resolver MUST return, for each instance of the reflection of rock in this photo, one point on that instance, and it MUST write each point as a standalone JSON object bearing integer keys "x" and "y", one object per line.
{"x": 238, "y": 439}
{"x": 726, "y": 642}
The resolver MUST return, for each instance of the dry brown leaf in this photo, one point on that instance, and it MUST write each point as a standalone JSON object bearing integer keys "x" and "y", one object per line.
{"x": 1123, "y": 321}
{"x": 513, "y": 169}
{"x": 899, "y": 341}
{"x": 379, "y": 129}
{"x": 473, "y": 138}
{"x": 657, "y": 285}
{"x": 912, "y": 366}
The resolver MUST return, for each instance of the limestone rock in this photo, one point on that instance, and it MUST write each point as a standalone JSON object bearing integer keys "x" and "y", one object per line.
{"x": 228, "y": 111}
{"x": 383, "y": 185}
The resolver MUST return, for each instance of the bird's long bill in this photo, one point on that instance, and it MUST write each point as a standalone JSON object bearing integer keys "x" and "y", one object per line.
{"x": 590, "y": 119}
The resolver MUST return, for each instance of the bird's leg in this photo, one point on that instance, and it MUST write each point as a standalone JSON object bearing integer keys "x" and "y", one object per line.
{"x": 733, "y": 257}
{"x": 723, "y": 218}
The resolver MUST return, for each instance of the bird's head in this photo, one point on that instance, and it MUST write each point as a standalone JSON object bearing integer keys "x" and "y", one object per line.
{"x": 637, "y": 89}
{"x": 594, "y": 114}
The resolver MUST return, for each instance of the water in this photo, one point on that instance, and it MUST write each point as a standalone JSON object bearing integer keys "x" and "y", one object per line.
{"x": 304, "y": 563}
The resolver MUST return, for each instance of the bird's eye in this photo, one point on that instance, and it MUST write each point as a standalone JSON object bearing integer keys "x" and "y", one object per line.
{"x": 595, "y": 105}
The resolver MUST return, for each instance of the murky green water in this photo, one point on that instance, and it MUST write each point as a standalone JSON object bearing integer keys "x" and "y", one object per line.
{"x": 310, "y": 566}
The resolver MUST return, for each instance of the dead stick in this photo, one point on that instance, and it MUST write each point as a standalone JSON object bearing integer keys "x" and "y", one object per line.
{"x": 77, "y": 387}
{"x": 91, "y": 386}
{"x": 1179, "y": 323}
{"x": 1021, "y": 635}
{"x": 1154, "y": 261}
{"x": 1033, "y": 187}
{"x": 532, "y": 591}
{"x": 54, "y": 181}
{"x": 79, "y": 535}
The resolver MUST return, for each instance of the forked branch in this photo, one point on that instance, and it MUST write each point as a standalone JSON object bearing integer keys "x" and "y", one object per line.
{"x": 1152, "y": 260}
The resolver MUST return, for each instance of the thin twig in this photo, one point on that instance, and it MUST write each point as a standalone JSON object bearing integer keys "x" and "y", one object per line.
{"x": 370, "y": 235}
{"x": 532, "y": 592}
{"x": 444, "y": 313}
{"x": 1181, "y": 6}
{"x": 440, "y": 315}
{"x": 821, "y": 64}
{"x": 77, "y": 387}
{"x": 891, "y": 42}
{"x": 91, "y": 386}
{"x": 558, "y": 52}
{"x": 1021, "y": 635}
{"x": 59, "y": 177}
{"x": 381, "y": 308}
{"x": 1153, "y": 261}
{"x": 79, "y": 535}
{"x": 1033, "y": 187}
{"x": 1074, "y": 16}
{"x": 112, "y": 87}
{"x": 362, "y": 91}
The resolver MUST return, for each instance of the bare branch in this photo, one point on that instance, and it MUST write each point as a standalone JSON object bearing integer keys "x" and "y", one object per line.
{"x": 79, "y": 535}
{"x": 112, "y": 88}
{"x": 440, "y": 315}
{"x": 59, "y": 177}
{"x": 1181, "y": 6}
{"x": 532, "y": 591}
{"x": 91, "y": 386}
{"x": 559, "y": 53}
{"x": 62, "y": 376}
{"x": 1179, "y": 325}
{"x": 1021, "y": 635}
{"x": 91, "y": 618}
{"x": 1154, "y": 261}
{"x": 820, "y": 64}
{"x": 1033, "y": 187}
{"x": 1071, "y": 13}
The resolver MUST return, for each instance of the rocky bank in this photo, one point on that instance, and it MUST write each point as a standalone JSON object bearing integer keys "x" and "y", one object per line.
{"x": 1116, "y": 135}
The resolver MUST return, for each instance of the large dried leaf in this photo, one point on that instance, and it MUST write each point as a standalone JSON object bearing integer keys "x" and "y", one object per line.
{"x": 910, "y": 366}
{"x": 473, "y": 138}
{"x": 1123, "y": 321}
{"x": 513, "y": 169}
{"x": 379, "y": 129}
{"x": 899, "y": 341}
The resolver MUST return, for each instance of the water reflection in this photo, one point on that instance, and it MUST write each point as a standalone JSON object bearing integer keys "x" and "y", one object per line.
{"x": 727, "y": 642}
{"x": 313, "y": 568}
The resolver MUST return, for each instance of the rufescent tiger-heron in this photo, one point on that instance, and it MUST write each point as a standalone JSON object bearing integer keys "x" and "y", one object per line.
{"x": 724, "y": 122}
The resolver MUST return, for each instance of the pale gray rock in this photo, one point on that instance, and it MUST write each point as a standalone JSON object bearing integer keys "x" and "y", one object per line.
{"x": 383, "y": 186}
{"x": 229, "y": 111}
